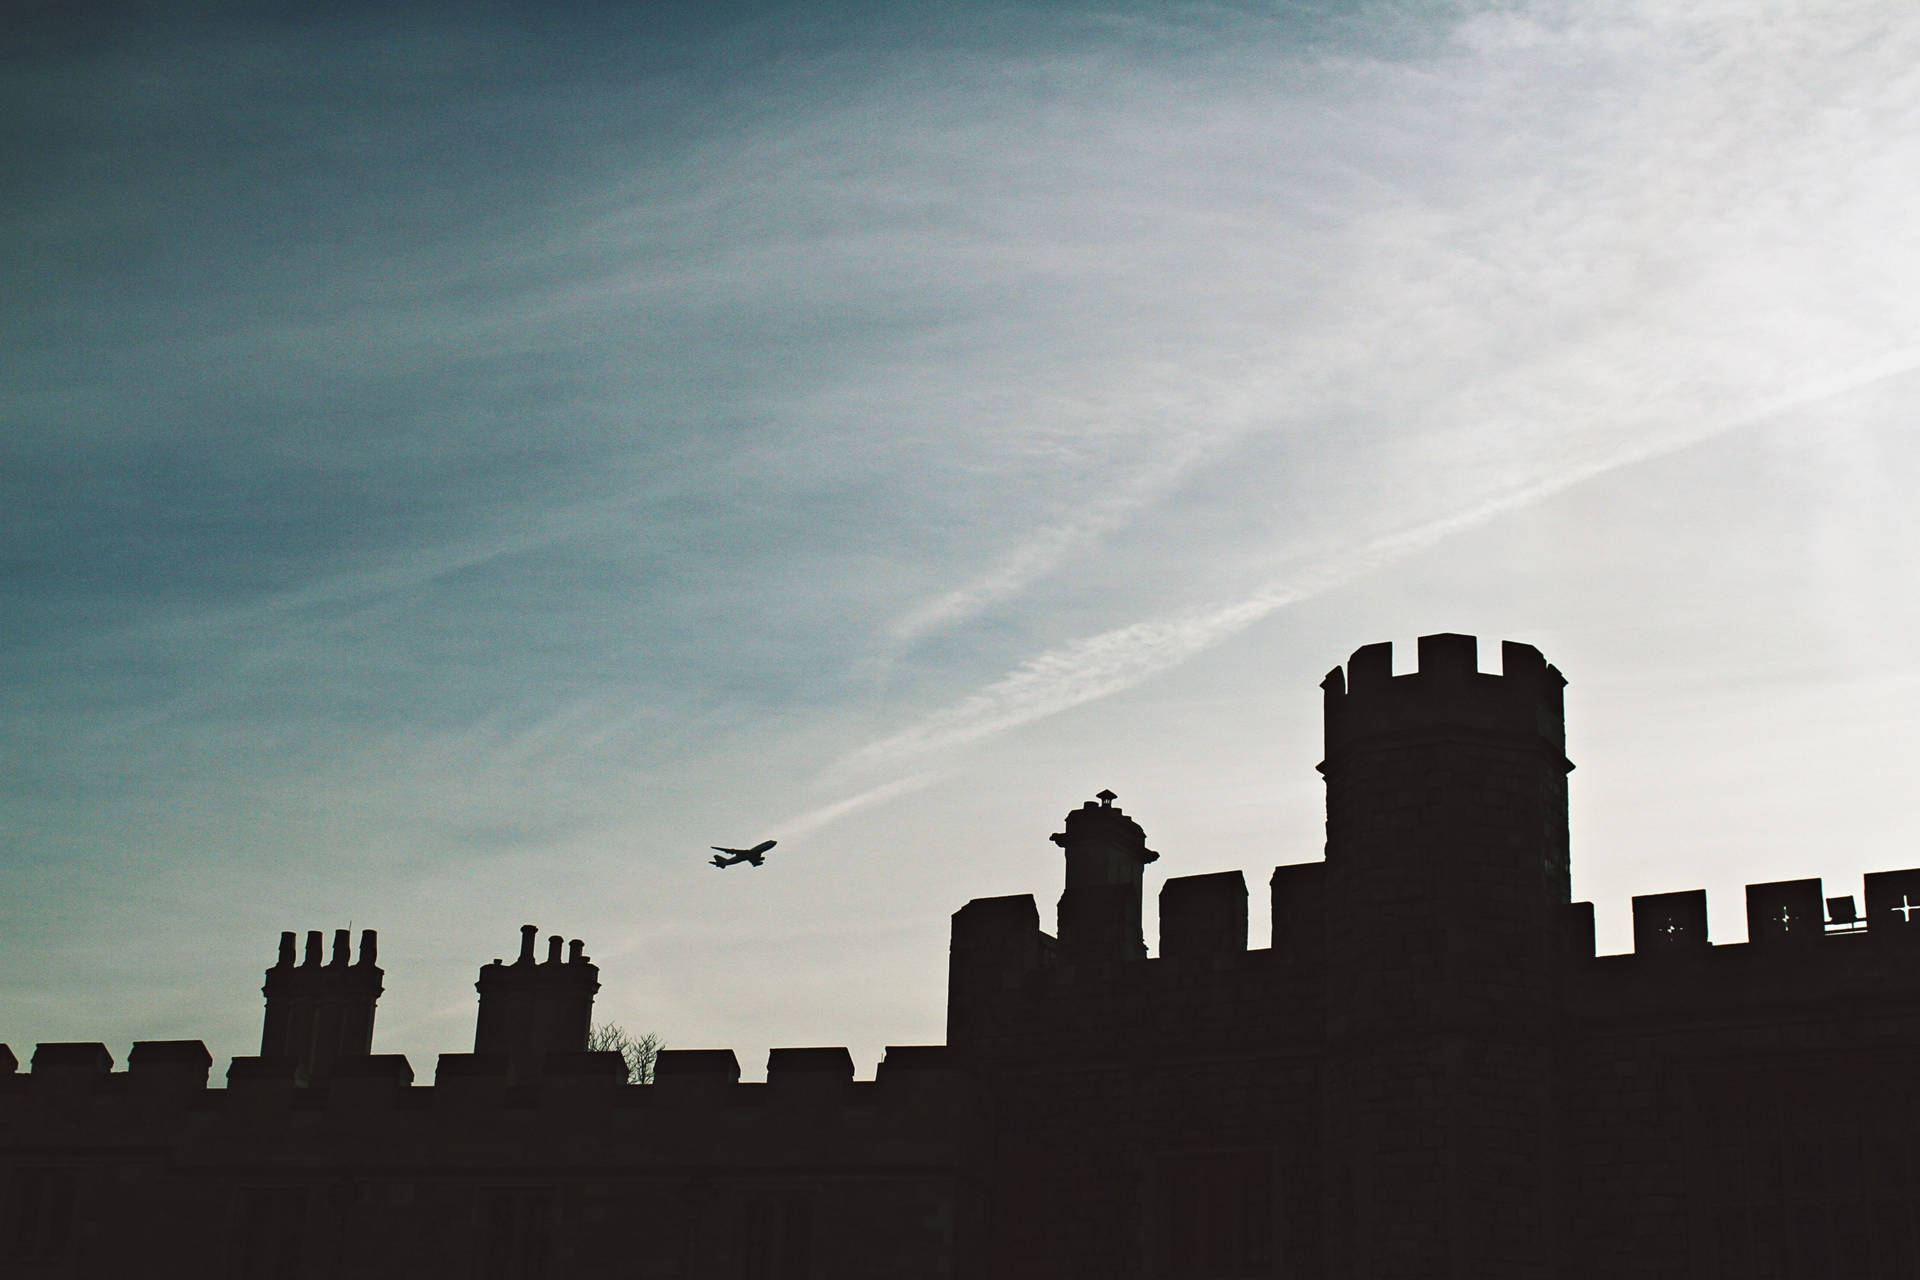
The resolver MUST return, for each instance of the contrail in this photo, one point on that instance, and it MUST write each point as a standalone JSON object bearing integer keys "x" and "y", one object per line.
{"x": 814, "y": 819}
{"x": 1051, "y": 547}
{"x": 1098, "y": 666}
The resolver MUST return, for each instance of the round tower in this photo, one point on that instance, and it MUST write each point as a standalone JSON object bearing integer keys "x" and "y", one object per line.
{"x": 1446, "y": 821}
{"x": 1447, "y": 887}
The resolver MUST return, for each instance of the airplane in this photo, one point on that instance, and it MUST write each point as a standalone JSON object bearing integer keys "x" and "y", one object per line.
{"x": 754, "y": 856}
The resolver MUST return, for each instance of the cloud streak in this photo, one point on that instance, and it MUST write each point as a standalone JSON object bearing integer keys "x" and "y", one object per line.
{"x": 459, "y": 455}
{"x": 1116, "y": 660}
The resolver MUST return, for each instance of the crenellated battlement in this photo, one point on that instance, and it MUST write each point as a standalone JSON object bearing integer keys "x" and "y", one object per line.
{"x": 1784, "y": 917}
{"x": 475, "y": 1173}
{"x": 1429, "y": 1071}
{"x": 688, "y": 1081}
{"x": 1448, "y": 694}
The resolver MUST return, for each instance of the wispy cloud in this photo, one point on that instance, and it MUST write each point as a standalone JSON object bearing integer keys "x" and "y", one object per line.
{"x": 471, "y": 442}
{"x": 1047, "y": 549}
{"x": 1113, "y": 661}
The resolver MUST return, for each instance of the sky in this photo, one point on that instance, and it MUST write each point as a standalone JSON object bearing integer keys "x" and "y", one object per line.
{"x": 457, "y": 464}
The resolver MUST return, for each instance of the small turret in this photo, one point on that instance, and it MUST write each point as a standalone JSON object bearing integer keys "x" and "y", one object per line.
{"x": 529, "y": 1009}
{"x": 318, "y": 1014}
{"x": 1106, "y": 855}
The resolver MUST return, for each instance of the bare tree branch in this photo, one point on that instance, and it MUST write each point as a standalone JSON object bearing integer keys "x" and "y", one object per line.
{"x": 638, "y": 1050}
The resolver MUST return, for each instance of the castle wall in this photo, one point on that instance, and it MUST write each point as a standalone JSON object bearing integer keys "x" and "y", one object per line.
{"x": 373, "y": 1175}
{"x": 1427, "y": 1074}
{"x": 1744, "y": 1110}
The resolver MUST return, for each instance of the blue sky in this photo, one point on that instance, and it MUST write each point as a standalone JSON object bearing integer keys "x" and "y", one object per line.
{"x": 458, "y": 465}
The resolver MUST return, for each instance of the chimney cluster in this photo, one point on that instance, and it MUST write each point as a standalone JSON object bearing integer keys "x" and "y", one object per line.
{"x": 319, "y": 1014}
{"x": 529, "y": 1009}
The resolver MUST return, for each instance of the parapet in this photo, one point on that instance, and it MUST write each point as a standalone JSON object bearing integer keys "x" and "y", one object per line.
{"x": 370, "y": 1118}
{"x": 582, "y": 1076}
{"x": 64, "y": 1061}
{"x": 470, "y": 1079}
{"x": 1783, "y": 915}
{"x": 1299, "y": 899}
{"x": 914, "y": 1060}
{"x": 253, "y": 1070}
{"x": 816, "y": 1073}
{"x": 1203, "y": 917}
{"x": 996, "y": 943}
{"x": 1580, "y": 933}
{"x": 1785, "y": 912}
{"x": 997, "y": 933}
{"x": 156, "y": 1069}
{"x": 1447, "y": 694}
{"x": 695, "y": 1068}
{"x": 370, "y": 1083}
{"x": 1670, "y": 923}
{"x": 1893, "y": 904}
{"x": 793, "y": 1063}
{"x": 170, "y": 1065}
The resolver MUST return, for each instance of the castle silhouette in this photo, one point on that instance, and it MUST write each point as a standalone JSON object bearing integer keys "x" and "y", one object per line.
{"x": 1429, "y": 1073}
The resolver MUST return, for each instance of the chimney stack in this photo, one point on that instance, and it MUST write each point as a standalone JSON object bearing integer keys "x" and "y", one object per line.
{"x": 529, "y": 1010}
{"x": 319, "y": 1014}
